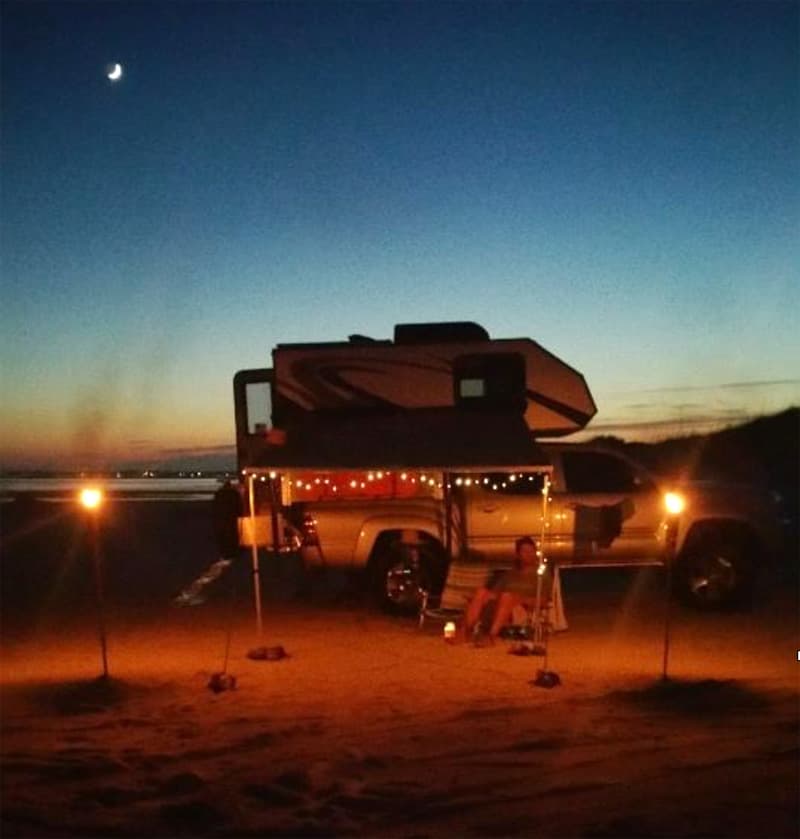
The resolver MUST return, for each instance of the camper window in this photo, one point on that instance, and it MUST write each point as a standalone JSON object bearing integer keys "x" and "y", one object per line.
{"x": 471, "y": 388}
{"x": 258, "y": 396}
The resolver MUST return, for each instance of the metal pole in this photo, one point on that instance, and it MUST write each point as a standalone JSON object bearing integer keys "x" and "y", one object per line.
{"x": 668, "y": 604}
{"x": 448, "y": 515}
{"x": 254, "y": 550}
{"x": 98, "y": 587}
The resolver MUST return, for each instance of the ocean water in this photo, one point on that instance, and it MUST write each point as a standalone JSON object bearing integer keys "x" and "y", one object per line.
{"x": 61, "y": 490}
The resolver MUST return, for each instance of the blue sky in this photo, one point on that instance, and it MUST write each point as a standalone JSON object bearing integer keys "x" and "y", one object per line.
{"x": 618, "y": 181}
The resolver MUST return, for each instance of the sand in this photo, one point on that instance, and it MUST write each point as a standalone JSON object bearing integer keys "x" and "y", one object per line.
{"x": 371, "y": 726}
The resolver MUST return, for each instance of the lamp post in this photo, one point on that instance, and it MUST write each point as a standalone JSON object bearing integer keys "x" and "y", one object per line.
{"x": 91, "y": 499}
{"x": 251, "y": 494}
{"x": 675, "y": 504}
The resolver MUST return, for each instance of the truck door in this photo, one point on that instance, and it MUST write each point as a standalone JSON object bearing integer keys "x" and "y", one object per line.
{"x": 606, "y": 511}
{"x": 500, "y": 507}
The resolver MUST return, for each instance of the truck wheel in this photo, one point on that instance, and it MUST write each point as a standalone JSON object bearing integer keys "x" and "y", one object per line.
{"x": 401, "y": 574}
{"x": 715, "y": 570}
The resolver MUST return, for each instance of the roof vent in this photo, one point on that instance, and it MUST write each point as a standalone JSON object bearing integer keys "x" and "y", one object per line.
{"x": 439, "y": 333}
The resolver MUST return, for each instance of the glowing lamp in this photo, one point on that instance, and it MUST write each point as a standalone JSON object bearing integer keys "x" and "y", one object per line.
{"x": 674, "y": 502}
{"x": 91, "y": 498}
{"x": 449, "y": 631}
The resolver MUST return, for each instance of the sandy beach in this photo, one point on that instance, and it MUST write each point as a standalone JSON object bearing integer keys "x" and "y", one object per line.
{"x": 371, "y": 726}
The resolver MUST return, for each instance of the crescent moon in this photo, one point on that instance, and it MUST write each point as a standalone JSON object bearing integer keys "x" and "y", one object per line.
{"x": 115, "y": 72}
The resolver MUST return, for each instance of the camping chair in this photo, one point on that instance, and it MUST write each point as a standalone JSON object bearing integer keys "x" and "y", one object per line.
{"x": 464, "y": 578}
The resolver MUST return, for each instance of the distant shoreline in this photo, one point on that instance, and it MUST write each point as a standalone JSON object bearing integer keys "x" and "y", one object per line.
{"x": 63, "y": 489}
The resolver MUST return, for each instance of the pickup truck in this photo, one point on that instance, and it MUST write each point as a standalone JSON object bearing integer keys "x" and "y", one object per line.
{"x": 603, "y": 509}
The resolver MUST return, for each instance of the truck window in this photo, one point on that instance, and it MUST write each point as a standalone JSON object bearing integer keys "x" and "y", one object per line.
{"x": 597, "y": 472}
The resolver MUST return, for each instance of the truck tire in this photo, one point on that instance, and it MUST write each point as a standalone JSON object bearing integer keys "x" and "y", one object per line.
{"x": 400, "y": 574}
{"x": 716, "y": 568}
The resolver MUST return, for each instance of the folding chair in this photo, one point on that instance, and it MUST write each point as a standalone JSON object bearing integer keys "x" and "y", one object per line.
{"x": 463, "y": 579}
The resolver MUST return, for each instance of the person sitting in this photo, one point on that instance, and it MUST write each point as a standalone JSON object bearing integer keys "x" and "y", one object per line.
{"x": 511, "y": 588}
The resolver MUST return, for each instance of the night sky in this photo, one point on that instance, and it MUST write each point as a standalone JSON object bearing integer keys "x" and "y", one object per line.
{"x": 618, "y": 181}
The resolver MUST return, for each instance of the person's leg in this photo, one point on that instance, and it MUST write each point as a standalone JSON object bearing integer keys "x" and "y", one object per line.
{"x": 473, "y": 614}
{"x": 502, "y": 615}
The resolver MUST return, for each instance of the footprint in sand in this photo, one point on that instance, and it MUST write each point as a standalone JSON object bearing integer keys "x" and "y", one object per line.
{"x": 112, "y": 796}
{"x": 195, "y": 817}
{"x": 182, "y": 783}
{"x": 273, "y": 795}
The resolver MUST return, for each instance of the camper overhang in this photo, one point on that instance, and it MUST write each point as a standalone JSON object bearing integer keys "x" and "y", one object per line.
{"x": 440, "y": 439}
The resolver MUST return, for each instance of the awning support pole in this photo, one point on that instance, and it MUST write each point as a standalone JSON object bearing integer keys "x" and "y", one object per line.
{"x": 274, "y": 500}
{"x": 543, "y": 544}
{"x": 448, "y": 516}
{"x": 254, "y": 550}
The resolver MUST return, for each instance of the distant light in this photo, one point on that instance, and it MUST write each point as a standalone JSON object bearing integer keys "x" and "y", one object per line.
{"x": 91, "y": 498}
{"x": 674, "y": 502}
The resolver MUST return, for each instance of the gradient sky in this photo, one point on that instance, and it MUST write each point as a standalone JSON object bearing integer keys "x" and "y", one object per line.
{"x": 618, "y": 181}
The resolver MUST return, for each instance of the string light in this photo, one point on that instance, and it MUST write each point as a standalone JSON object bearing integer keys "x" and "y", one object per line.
{"x": 376, "y": 483}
